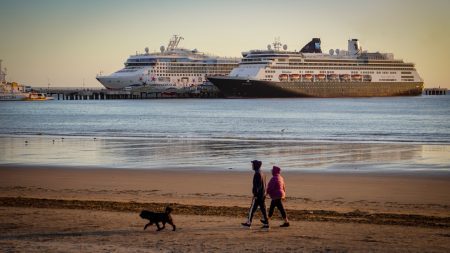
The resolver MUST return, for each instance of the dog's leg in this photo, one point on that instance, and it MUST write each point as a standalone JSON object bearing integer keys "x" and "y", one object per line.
{"x": 173, "y": 225}
{"x": 157, "y": 224}
{"x": 148, "y": 224}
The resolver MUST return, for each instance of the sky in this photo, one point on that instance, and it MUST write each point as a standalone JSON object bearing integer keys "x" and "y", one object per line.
{"x": 67, "y": 43}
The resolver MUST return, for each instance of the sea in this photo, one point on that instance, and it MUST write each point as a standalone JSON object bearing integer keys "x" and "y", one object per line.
{"x": 392, "y": 134}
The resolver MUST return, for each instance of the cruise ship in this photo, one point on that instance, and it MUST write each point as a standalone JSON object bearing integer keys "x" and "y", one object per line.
{"x": 277, "y": 72}
{"x": 170, "y": 68}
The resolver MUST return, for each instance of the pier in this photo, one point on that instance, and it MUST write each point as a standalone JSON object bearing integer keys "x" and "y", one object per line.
{"x": 435, "y": 91}
{"x": 145, "y": 92}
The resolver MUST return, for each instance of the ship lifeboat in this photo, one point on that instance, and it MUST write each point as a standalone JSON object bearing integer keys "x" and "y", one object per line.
{"x": 356, "y": 77}
{"x": 367, "y": 78}
{"x": 320, "y": 77}
{"x": 307, "y": 77}
{"x": 295, "y": 77}
{"x": 333, "y": 77}
{"x": 345, "y": 77}
{"x": 283, "y": 77}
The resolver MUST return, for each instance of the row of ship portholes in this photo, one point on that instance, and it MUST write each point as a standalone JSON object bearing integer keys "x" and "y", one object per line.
{"x": 323, "y": 77}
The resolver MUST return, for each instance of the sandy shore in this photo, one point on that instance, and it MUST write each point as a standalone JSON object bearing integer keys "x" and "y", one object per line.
{"x": 335, "y": 212}
{"x": 58, "y": 230}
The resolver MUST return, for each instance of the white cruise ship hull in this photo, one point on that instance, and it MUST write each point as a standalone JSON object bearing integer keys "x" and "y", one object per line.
{"x": 117, "y": 83}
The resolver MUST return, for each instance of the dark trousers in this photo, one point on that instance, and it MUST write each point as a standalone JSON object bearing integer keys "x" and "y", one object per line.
{"x": 257, "y": 202}
{"x": 279, "y": 204}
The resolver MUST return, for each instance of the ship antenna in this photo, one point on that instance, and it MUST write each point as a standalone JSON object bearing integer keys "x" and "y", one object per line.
{"x": 277, "y": 44}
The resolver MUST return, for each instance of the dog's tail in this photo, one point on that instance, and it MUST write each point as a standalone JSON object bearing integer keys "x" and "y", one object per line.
{"x": 168, "y": 210}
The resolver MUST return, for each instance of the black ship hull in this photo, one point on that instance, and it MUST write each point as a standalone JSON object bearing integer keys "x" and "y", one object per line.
{"x": 233, "y": 87}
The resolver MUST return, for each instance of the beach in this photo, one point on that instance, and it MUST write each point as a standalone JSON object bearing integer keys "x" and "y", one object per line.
{"x": 96, "y": 209}
{"x": 362, "y": 175}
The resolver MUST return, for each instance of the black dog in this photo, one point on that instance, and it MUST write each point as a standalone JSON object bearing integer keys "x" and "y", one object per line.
{"x": 155, "y": 218}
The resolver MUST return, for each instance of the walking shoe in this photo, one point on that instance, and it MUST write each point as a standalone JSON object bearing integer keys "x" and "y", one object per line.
{"x": 245, "y": 224}
{"x": 264, "y": 221}
{"x": 265, "y": 226}
{"x": 285, "y": 225}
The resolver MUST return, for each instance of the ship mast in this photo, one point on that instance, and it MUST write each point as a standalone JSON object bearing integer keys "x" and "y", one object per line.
{"x": 173, "y": 43}
{"x": 277, "y": 44}
{"x": 2, "y": 73}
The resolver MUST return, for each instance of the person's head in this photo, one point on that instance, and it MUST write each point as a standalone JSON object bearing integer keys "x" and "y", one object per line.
{"x": 256, "y": 165}
{"x": 276, "y": 170}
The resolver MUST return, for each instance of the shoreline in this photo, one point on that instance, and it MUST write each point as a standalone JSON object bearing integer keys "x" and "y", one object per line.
{"x": 421, "y": 194}
{"x": 288, "y": 140}
{"x": 206, "y": 170}
{"x": 190, "y": 154}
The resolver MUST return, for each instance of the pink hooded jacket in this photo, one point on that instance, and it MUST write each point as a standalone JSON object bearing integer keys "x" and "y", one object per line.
{"x": 276, "y": 188}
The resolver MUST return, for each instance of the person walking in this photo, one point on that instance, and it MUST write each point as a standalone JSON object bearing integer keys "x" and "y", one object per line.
{"x": 259, "y": 196}
{"x": 277, "y": 192}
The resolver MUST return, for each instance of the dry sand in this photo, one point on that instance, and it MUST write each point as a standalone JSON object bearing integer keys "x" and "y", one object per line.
{"x": 97, "y": 211}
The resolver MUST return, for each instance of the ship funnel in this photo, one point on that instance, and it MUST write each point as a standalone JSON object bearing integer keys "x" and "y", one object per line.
{"x": 312, "y": 47}
{"x": 353, "y": 47}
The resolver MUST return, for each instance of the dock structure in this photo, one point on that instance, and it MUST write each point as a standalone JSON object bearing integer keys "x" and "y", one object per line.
{"x": 144, "y": 92}
{"x": 435, "y": 91}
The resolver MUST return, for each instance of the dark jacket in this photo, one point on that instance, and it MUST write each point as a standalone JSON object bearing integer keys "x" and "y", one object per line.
{"x": 259, "y": 185}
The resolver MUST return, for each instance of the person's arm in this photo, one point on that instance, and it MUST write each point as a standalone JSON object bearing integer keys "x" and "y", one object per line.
{"x": 270, "y": 186}
{"x": 256, "y": 184}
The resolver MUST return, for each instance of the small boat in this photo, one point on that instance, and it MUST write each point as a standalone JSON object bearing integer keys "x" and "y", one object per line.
{"x": 283, "y": 77}
{"x": 333, "y": 77}
{"x": 356, "y": 77}
{"x": 320, "y": 77}
{"x": 367, "y": 78}
{"x": 35, "y": 96}
{"x": 294, "y": 77}
{"x": 345, "y": 77}
{"x": 307, "y": 77}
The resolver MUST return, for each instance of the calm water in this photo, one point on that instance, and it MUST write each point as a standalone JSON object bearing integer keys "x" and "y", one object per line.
{"x": 400, "y": 133}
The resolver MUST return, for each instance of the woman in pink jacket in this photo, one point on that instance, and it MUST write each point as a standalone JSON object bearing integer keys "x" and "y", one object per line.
{"x": 277, "y": 193}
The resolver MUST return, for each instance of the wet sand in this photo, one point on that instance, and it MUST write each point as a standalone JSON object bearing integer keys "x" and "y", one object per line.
{"x": 220, "y": 154}
{"x": 73, "y": 209}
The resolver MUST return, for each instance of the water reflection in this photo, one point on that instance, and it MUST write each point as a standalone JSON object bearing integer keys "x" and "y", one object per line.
{"x": 218, "y": 154}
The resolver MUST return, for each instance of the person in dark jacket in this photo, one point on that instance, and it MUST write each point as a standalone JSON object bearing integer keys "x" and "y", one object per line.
{"x": 259, "y": 195}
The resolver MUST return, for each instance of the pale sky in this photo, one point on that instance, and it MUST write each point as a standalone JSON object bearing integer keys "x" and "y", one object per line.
{"x": 64, "y": 42}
